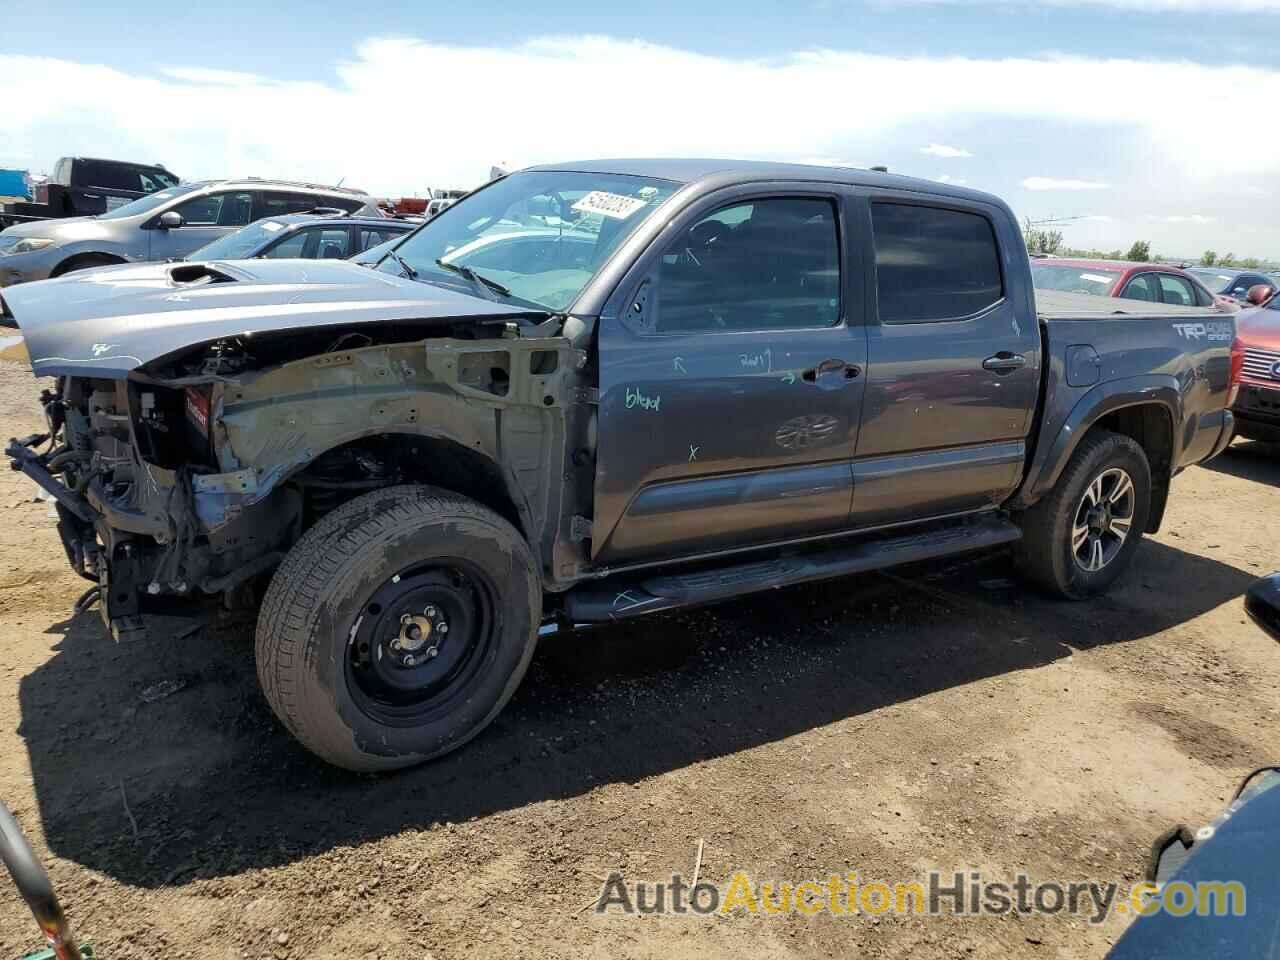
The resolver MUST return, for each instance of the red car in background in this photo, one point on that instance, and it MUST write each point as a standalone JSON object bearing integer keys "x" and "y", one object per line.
{"x": 1152, "y": 282}
{"x": 1255, "y": 368}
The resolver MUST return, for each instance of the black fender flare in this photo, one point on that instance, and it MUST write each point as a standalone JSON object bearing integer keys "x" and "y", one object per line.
{"x": 1052, "y": 452}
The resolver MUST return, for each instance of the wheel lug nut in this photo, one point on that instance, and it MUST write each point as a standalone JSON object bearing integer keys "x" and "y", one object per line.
{"x": 405, "y": 618}
{"x": 395, "y": 644}
{"x": 430, "y": 611}
{"x": 408, "y": 661}
{"x": 442, "y": 628}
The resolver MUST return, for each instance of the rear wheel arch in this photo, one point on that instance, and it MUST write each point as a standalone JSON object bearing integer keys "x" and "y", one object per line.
{"x": 1154, "y": 407}
{"x": 1150, "y": 425}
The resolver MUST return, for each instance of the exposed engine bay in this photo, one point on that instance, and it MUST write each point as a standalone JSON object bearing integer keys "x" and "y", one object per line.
{"x": 190, "y": 481}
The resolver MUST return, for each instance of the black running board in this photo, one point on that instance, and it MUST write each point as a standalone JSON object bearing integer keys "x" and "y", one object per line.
{"x": 619, "y": 599}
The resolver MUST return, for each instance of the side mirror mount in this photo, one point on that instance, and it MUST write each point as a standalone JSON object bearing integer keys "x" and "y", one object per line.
{"x": 169, "y": 220}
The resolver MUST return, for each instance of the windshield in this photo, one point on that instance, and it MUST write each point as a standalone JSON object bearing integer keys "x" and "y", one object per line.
{"x": 542, "y": 235}
{"x": 1215, "y": 280}
{"x": 148, "y": 203}
{"x": 243, "y": 243}
{"x": 1073, "y": 279}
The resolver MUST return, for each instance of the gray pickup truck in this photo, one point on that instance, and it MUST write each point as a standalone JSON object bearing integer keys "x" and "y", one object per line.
{"x": 588, "y": 392}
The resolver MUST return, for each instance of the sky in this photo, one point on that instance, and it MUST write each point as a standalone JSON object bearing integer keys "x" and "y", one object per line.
{"x": 1130, "y": 120}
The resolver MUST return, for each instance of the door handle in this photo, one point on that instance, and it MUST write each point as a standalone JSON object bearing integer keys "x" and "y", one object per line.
{"x": 1004, "y": 362}
{"x": 851, "y": 370}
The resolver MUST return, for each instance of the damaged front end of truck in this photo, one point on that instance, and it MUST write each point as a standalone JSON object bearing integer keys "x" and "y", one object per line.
{"x": 205, "y": 415}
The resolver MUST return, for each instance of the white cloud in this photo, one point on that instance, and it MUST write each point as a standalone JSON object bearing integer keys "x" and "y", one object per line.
{"x": 1187, "y": 218}
{"x": 954, "y": 181}
{"x": 204, "y": 75}
{"x": 944, "y": 151}
{"x": 1050, "y": 183}
{"x": 346, "y": 123}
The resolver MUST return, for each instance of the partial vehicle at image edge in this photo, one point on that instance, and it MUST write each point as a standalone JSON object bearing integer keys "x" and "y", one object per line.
{"x": 1256, "y": 362}
{"x": 589, "y": 392}
{"x": 165, "y": 225}
{"x": 86, "y": 187}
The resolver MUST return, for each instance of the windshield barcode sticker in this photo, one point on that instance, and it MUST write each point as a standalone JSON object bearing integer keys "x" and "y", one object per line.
{"x": 613, "y": 205}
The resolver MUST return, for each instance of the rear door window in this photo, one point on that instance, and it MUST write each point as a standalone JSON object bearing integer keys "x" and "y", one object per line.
{"x": 218, "y": 210}
{"x": 934, "y": 263}
{"x": 335, "y": 244}
{"x": 1176, "y": 290}
{"x": 290, "y": 247}
{"x": 106, "y": 176}
{"x": 1142, "y": 287}
{"x": 370, "y": 237}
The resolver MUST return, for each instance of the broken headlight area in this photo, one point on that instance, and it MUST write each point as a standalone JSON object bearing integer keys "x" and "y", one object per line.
{"x": 142, "y": 508}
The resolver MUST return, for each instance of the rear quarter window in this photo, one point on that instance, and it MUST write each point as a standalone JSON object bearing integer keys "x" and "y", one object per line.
{"x": 934, "y": 263}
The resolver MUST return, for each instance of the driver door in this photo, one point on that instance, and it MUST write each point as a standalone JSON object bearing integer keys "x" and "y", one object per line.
{"x": 730, "y": 388}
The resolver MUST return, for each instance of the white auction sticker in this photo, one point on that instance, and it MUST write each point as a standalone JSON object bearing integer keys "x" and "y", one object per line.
{"x": 1096, "y": 277}
{"x": 271, "y": 226}
{"x": 613, "y": 205}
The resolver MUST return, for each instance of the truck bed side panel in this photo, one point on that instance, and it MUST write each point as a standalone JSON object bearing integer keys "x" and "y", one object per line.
{"x": 1097, "y": 364}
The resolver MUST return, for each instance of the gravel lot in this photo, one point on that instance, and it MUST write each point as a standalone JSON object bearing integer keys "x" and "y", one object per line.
{"x": 941, "y": 717}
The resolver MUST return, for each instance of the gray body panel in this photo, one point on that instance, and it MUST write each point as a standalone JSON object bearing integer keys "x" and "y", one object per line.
{"x": 698, "y": 443}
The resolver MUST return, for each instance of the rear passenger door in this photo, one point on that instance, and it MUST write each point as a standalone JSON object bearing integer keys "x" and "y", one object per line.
{"x": 730, "y": 384}
{"x": 953, "y": 360}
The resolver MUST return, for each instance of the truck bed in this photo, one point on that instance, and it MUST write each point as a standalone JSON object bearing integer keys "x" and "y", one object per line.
{"x": 1054, "y": 305}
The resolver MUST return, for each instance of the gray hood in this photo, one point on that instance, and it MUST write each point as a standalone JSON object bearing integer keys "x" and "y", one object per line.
{"x": 105, "y": 323}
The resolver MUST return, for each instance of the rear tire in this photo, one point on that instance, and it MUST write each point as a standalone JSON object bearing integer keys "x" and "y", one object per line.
{"x": 1081, "y": 537}
{"x": 398, "y": 627}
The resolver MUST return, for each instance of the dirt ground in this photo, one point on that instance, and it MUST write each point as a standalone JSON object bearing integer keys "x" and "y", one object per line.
{"x": 942, "y": 717}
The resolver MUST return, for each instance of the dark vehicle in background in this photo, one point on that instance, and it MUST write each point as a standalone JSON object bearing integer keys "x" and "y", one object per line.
{"x": 1256, "y": 357}
{"x": 86, "y": 187}
{"x": 1151, "y": 282}
{"x": 167, "y": 225}
{"x": 1231, "y": 283}
{"x": 590, "y": 392}
{"x": 305, "y": 237}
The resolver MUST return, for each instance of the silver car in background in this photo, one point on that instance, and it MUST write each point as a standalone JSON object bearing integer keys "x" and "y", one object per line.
{"x": 162, "y": 226}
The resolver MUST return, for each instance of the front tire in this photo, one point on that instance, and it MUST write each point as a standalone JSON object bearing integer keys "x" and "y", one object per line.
{"x": 1082, "y": 536}
{"x": 398, "y": 627}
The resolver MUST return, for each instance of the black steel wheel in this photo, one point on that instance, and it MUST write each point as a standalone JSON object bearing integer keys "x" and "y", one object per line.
{"x": 398, "y": 627}
{"x": 418, "y": 641}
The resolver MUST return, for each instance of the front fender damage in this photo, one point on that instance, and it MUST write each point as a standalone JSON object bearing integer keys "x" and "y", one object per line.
{"x": 510, "y": 403}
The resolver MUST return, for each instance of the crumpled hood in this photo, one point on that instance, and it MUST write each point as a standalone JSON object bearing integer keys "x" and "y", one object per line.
{"x": 105, "y": 323}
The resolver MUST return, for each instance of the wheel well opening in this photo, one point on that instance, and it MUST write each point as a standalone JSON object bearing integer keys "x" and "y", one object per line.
{"x": 347, "y": 471}
{"x": 1151, "y": 427}
{"x": 85, "y": 259}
